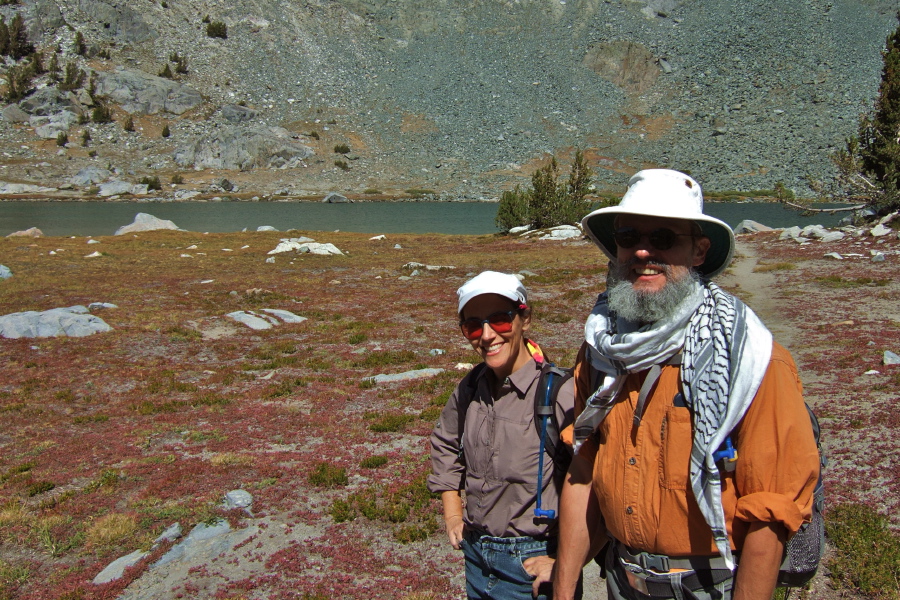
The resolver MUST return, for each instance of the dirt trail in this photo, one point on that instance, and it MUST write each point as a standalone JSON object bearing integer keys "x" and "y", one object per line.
{"x": 757, "y": 289}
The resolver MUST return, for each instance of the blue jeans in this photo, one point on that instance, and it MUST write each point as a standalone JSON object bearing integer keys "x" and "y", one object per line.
{"x": 494, "y": 567}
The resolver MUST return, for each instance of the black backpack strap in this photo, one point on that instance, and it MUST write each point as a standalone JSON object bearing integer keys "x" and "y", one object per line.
{"x": 551, "y": 381}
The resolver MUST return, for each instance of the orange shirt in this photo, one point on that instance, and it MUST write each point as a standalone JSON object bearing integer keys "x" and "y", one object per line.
{"x": 641, "y": 475}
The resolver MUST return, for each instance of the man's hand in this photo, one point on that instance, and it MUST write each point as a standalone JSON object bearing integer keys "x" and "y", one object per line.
{"x": 761, "y": 558}
{"x": 541, "y": 568}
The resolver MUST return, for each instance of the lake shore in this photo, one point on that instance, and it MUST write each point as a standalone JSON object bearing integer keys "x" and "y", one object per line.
{"x": 110, "y": 439}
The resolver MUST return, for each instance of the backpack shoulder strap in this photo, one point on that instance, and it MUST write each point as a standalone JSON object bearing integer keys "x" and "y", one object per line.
{"x": 551, "y": 381}
{"x": 466, "y": 395}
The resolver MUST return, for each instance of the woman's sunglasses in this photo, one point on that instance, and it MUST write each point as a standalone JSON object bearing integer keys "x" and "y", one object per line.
{"x": 660, "y": 239}
{"x": 500, "y": 322}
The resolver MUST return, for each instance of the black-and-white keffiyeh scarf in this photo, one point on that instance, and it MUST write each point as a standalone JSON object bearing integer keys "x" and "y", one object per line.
{"x": 725, "y": 353}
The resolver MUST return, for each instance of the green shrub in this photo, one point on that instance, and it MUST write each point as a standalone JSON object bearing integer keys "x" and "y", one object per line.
{"x": 73, "y": 78}
{"x": 868, "y": 551}
{"x": 85, "y": 137}
{"x": 371, "y": 191}
{"x": 327, "y": 475}
{"x": 389, "y": 423}
{"x": 549, "y": 202}
{"x": 342, "y": 165}
{"x": 216, "y": 29}
{"x": 153, "y": 183}
{"x": 342, "y": 149}
{"x": 101, "y": 114}
{"x": 39, "y": 487}
{"x": 373, "y": 462}
{"x": 313, "y": 134}
{"x": 177, "y": 179}
{"x": 62, "y": 138}
{"x": 341, "y": 511}
{"x": 78, "y": 43}
{"x": 167, "y": 72}
{"x": 128, "y": 124}
{"x": 166, "y": 132}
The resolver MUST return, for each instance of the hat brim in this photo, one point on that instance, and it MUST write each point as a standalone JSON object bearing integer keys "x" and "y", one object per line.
{"x": 600, "y": 224}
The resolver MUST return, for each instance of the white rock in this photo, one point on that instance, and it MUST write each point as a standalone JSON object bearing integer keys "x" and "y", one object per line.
{"x": 251, "y": 320}
{"x": 890, "y": 358}
{"x": 377, "y": 237}
{"x": 146, "y": 222}
{"x": 94, "y": 254}
{"x": 834, "y": 255}
{"x": 285, "y": 315}
{"x": 879, "y": 230}
{"x": 116, "y": 568}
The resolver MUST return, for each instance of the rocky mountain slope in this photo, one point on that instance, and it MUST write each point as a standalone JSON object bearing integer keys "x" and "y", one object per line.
{"x": 464, "y": 98}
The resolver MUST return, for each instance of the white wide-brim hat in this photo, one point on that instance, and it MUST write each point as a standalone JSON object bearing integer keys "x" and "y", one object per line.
{"x": 492, "y": 282}
{"x": 669, "y": 194}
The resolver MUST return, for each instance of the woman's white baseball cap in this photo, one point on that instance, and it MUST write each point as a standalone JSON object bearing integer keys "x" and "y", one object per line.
{"x": 492, "y": 282}
{"x": 669, "y": 194}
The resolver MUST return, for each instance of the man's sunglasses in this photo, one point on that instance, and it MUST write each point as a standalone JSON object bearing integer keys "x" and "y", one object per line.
{"x": 660, "y": 239}
{"x": 500, "y": 322}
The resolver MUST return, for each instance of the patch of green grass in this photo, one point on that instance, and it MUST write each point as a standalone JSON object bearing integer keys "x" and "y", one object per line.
{"x": 341, "y": 511}
{"x": 382, "y": 423}
{"x": 357, "y": 338}
{"x": 780, "y": 266}
{"x": 431, "y": 413}
{"x": 341, "y": 149}
{"x": 11, "y": 577}
{"x": 868, "y": 551}
{"x": 327, "y": 475}
{"x": 371, "y": 191}
{"x": 183, "y": 334}
{"x": 39, "y": 487}
{"x": 373, "y": 462}
{"x": 366, "y": 384}
{"x": 66, "y": 396}
{"x": 285, "y": 388}
{"x": 17, "y": 470}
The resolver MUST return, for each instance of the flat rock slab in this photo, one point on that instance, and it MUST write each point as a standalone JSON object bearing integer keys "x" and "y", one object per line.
{"x": 271, "y": 318}
{"x": 405, "y": 376}
{"x": 116, "y": 568}
{"x": 74, "y": 321}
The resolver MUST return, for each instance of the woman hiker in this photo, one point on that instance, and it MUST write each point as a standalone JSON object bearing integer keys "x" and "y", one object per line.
{"x": 488, "y": 444}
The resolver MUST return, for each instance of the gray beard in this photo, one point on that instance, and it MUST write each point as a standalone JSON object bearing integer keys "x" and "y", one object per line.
{"x": 643, "y": 307}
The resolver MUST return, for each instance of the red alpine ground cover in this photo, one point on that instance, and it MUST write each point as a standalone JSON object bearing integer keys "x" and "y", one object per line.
{"x": 107, "y": 440}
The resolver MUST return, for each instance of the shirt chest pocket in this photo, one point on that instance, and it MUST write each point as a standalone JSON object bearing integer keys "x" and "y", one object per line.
{"x": 500, "y": 447}
{"x": 675, "y": 449}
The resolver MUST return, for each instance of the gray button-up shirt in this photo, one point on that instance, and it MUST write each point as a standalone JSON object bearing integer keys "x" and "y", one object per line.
{"x": 501, "y": 446}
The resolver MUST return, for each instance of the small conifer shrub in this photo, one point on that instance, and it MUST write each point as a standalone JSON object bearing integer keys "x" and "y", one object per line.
{"x": 80, "y": 46}
{"x": 152, "y": 183}
{"x": 165, "y": 131}
{"x": 85, "y": 137}
{"x": 128, "y": 124}
{"x": 101, "y": 114}
{"x": 342, "y": 149}
{"x": 167, "y": 72}
{"x": 177, "y": 179}
{"x": 313, "y": 134}
{"x": 62, "y": 139}
{"x": 217, "y": 29}
{"x": 342, "y": 165}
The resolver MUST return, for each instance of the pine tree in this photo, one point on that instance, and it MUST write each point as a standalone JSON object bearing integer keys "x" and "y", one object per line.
{"x": 869, "y": 166}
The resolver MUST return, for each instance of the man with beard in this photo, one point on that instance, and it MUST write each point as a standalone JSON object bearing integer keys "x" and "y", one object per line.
{"x": 695, "y": 456}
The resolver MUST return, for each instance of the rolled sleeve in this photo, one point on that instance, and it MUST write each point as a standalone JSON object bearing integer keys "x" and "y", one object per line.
{"x": 446, "y": 466}
{"x": 778, "y": 461}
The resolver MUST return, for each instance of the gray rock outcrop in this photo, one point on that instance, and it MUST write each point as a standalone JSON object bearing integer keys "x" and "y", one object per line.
{"x": 5, "y": 273}
{"x": 74, "y": 321}
{"x": 271, "y": 318}
{"x": 30, "y": 232}
{"x": 335, "y": 198}
{"x": 243, "y": 149}
{"x": 146, "y": 222}
{"x": 89, "y": 176}
{"x": 50, "y": 101}
{"x": 143, "y": 94}
{"x": 235, "y": 113}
